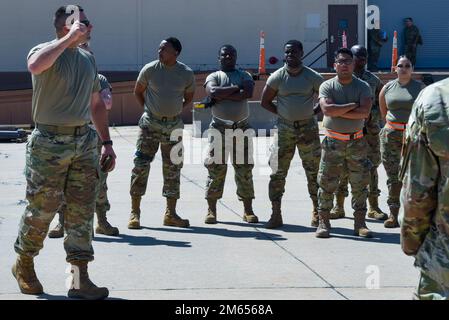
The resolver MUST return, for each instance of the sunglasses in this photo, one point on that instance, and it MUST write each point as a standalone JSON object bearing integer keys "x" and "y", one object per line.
{"x": 406, "y": 66}
{"x": 85, "y": 22}
{"x": 346, "y": 62}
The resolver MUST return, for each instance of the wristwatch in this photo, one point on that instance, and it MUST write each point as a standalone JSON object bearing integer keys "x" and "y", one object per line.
{"x": 104, "y": 143}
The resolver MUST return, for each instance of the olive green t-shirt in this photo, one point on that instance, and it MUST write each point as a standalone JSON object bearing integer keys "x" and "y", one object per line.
{"x": 166, "y": 87}
{"x": 227, "y": 109}
{"x": 295, "y": 93}
{"x": 374, "y": 82}
{"x": 62, "y": 93}
{"x": 104, "y": 83}
{"x": 400, "y": 99}
{"x": 353, "y": 92}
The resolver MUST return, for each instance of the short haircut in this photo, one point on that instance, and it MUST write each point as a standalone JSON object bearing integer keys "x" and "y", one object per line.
{"x": 344, "y": 51}
{"x": 61, "y": 15}
{"x": 296, "y": 43}
{"x": 404, "y": 57}
{"x": 176, "y": 44}
{"x": 409, "y": 18}
{"x": 230, "y": 46}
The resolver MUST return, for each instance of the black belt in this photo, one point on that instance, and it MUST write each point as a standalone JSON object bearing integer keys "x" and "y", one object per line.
{"x": 296, "y": 124}
{"x": 163, "y": 118}
{"x": 234, "y": 126}
{"x": 65, "y": 130}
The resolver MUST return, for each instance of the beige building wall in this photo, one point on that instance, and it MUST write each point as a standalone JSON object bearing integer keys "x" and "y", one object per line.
{"x": 127, "y": 33}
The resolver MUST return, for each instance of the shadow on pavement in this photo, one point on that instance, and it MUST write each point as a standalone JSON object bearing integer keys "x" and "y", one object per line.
{"x": 258, "y": 235}
{"x": 348, "y": 234}
{"x": 142, "y": 241}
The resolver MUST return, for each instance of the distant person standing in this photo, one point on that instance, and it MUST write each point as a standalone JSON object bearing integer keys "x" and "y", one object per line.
{"x": 412, "y": 38}
{"x": 376, "y": 40}
{"x": 396, "y": 100}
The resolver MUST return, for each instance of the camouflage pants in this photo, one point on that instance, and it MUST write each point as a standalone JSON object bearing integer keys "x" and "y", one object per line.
{"x": 372, "y": 138}
{"x": 222, "y": 146}
{"x": 410, "y": 52}
{"x": 335, "y": 156}
{"x": 102, "y": 204}
{"x": 60, "y": 167}
{"x": 429, "y": 289}
{"x": 391, "y": 147}
{"x": 305, "y": 137}
{"x": 152, "y": 133}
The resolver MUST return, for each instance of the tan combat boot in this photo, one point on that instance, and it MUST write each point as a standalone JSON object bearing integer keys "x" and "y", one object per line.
{"x": 374, "y": 211}
{"x": 211, "y": 217}
{"x": 58, "y": 231}
{"x": 392, "y": 221}
{"x": 171, "y": 219}
{"x": 360, "y": 228}
{"x": 324, "y": 226}
{"x": 134, "y": 219}
{"x": 82, "y": 287}
{"x": 249, "y": 215}
{"x": 315, "y": 217}
{"x": 338, "y": 211}
{"x": 276, "y": 216}
{"x": 104, "y": 227}
{"x": 23, "y": 271}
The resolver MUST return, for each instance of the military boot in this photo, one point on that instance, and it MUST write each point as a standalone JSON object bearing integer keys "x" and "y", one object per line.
{"x": 374, "y": 211}
{"x": 134, "y": 219}
{"x": 315, "y": 217}
{"x": 360, "y": 228}
{"x": 103, "y": 226}
{"x": 338, "y": 211}
{"x": 276, "y": 216}
{"x": 324, "y": 225}
{"x": 82, "y": 287}
{"x": 249, "y": 215}
{"x": 58, "y": 231}
{"x": 392, "y": 221}
{"x": 171, "y": 219}
{"x": 211, "y": 217}
{"x": 23, "y": 271}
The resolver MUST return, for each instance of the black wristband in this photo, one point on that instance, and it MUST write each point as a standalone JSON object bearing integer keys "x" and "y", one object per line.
{"x": 107, "y": 142}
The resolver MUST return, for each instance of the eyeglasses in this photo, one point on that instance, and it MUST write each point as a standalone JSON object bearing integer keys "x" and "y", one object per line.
{"x": 406, "y": 66}
{"x": 345, "y": 62}
{"x": 85, "y": 22}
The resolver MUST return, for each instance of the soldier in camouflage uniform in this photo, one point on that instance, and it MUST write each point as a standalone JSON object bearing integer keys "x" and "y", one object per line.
{"x": 61, "y": 154}
{"x": 164, "y": 87}
{"x": 346, "y": 103}
{"x": 375, "y": 43}
{"x": 412, "y": 38}
{"x": 372, "y": 129}
{"x": 425, "y": 192}
{"x": 102, "y": 204}
{"x": 230, "y": 134}
{"x": 396, "y": 100}
{"x": 296, "y": 87}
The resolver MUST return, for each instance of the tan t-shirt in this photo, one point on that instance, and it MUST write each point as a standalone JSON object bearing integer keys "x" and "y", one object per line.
{"x": 227, "y": 109}
{"x": 166, "y": 87}
{"x": 295, "y": 94}
{"x": 62, "y": 93}
{"x": 353, "y": 92}
{"x": 400, "y": 99}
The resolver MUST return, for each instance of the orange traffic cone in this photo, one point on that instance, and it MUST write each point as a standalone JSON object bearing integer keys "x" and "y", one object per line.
{"x": 262, "y": 54}
{"x": 394, "y": 56}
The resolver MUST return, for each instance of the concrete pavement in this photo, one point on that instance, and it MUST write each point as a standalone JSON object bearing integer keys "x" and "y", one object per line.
{"x": 230, "y": 260}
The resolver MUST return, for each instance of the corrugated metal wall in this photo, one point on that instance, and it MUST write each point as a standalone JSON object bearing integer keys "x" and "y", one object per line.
{"x": 127, "y": 33}
{"x": 430, "y": 16}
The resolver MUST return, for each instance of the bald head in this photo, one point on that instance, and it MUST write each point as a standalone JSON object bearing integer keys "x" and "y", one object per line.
{"x": 359, "y": 51}
{"x": 360, "y": 58}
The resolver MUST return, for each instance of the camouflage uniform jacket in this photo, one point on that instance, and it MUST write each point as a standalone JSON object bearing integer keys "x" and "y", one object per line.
{"x": 425, "y": 175}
